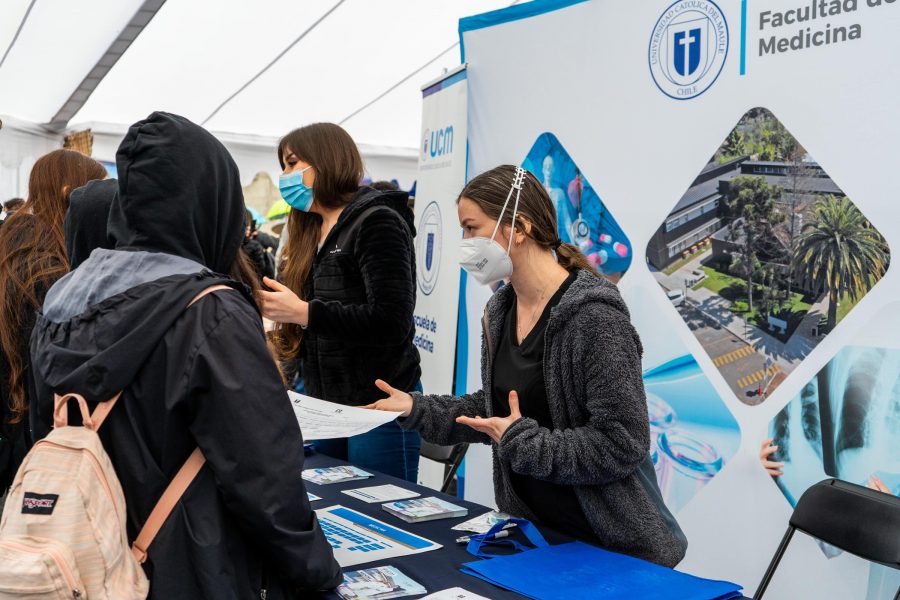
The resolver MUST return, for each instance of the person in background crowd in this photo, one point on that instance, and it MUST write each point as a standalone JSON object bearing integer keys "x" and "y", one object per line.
{"x": 85, "y": 223}
{"x": 345, "y": 306}
{"x": 269, "y": 242}
{"x": 9, "y": 207}
{"x": 262, "y": 260}
{"x": 32, "y": 258}
{"x": 562, "y": 400}
{"x": 385, "y": 186}
{"x": 13, "y": 205}
{"x": 190, "y": 377}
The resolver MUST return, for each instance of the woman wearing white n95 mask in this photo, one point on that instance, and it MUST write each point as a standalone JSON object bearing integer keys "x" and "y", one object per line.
{"x": 562, "y": 400}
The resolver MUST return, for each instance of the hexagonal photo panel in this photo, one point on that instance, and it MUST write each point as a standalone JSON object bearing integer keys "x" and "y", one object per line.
{"x": 845, "y": 423}
{"x": 764, "y": 255}
{"x": 693, "y": 435}
{"x": 583, "y": 218}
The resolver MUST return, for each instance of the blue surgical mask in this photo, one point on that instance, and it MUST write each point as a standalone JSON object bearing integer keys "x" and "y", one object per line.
{"x": 294, "y": 191}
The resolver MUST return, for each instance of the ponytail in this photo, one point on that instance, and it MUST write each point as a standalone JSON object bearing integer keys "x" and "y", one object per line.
{"x": 571, "y": 258}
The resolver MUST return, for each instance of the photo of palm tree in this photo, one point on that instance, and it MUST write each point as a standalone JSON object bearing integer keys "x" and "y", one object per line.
{"x": 764, "y": 255}
{"x": 839, "y": 251}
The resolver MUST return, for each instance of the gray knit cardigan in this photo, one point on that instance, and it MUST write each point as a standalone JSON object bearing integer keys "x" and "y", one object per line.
{"x": 600, "y": 438}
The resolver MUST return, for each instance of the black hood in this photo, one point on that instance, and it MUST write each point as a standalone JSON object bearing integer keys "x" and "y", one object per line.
{"x": 367, "y": 197}
{"x": 179, "y": 193}
{"x": 86, "y": 219}
{"x": 101, "y": 350}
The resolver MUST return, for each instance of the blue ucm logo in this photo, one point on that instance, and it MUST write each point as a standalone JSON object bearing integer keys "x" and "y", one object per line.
{"x": 437, "y": 143}
{"x": 428, "y": 248}
{"x": 688, "y": 48}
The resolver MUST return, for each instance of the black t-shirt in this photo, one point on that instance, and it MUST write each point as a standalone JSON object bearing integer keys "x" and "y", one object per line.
{"x": 521, "y": 368}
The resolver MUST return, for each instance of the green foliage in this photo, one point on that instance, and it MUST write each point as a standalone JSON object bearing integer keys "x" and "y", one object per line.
{"x": 762, "y": 136}
{"x": 840, "y": 252}
{"x": 733, "y": 147}
{"x": 752, "y": 201}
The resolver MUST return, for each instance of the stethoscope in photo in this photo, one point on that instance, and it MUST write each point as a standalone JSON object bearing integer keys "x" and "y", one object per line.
{"x": 580, "y": 230}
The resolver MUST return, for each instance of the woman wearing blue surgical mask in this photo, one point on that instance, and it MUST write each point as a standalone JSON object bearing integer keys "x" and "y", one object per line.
{"x": 562, "y": 401}
{"x": 344, "y": 305}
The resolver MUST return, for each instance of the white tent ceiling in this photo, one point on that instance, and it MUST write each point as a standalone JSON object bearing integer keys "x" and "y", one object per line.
{"x": 359, "y": 63}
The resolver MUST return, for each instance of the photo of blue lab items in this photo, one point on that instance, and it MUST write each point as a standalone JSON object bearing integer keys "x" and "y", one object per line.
{"x": 692, "y": 433}
{"x": 583, "y": 219}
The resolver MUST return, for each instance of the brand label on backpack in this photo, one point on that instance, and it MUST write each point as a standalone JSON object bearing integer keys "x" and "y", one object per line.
{"x": 39, "y": 504}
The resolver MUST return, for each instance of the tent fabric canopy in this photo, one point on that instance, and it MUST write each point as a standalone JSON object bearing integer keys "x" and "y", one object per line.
{"x": 359, "y": 63}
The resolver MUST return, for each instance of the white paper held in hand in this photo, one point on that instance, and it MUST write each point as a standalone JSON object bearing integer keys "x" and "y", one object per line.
{"x": 322, "y": 420}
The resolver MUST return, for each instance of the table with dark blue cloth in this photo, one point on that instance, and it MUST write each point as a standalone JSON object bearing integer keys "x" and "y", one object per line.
{"x": 436, "y": 570}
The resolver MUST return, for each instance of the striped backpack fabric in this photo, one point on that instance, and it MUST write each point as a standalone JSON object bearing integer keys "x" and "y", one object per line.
{"x": 62, "y": 534}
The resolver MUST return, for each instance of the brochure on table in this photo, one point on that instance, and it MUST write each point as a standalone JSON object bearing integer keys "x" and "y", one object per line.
{"x": 357, "y": 538}
{"x": 379, "y": 583}
{"x": 380, "y": 493}
{"x": 417, "y": 510}
{"x": 328, "y": 475}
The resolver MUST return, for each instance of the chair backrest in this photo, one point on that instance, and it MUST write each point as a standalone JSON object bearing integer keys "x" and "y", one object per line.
{"x": 441, "y": 454}
{"x": 853, "y": 518}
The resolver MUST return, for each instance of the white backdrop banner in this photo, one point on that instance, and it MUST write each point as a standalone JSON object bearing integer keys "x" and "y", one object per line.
{"x": 707, "y": 156}
{"x": 441, "y": 175}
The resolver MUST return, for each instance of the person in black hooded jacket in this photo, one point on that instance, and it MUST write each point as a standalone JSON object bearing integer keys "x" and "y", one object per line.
{"x": 345, "y": 306}
{"x": 192, "y": 377}
{"x": 86, "y": 217}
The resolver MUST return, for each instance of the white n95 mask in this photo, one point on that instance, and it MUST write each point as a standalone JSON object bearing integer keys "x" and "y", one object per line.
{"x": 485, "y": 259}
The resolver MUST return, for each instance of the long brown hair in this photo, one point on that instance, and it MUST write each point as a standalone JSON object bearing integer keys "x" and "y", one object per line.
{"x": 339, "y": 169}
{"x": 489, "y": 191}
{"x": 33, "y": 257}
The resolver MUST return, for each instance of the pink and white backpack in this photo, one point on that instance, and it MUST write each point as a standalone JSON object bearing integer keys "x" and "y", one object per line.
{"x": 62, "y": 533}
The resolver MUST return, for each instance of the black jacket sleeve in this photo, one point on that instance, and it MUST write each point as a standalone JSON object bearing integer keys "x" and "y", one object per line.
{"x": 246, "y": 428}
{"x": 384, "y": 255}
{"x": 616, "y": 439}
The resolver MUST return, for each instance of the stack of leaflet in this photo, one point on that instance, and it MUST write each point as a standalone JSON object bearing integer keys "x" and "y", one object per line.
{"x": 328, "y": 475}
{"x": 583, "y": 571}
{"x": 380, "y": 583}
{"x": 380, "y": 493}
{"x": 418, "y": 510}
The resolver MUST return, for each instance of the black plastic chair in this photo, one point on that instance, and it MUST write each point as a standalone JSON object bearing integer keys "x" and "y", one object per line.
{"x": 449, "y": 456}
{"x": 851, "y": 517}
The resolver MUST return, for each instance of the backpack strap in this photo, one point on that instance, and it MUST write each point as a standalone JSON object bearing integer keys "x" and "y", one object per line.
{"x": 102, "y": 411}
{"x": 176, "y": 487}
{"x": 166, "y": 504}
{"x": 61, "y": 411}
{"x": 104, "y": 408}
